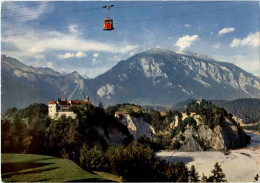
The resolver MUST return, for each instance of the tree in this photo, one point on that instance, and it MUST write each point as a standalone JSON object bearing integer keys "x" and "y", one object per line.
{"x": 218, "y": 174}
{"x": 256, "y": 178}
{"x": 177, "y": 172}
{"x": 90, "y": 159}
{"x": 193, "y": 174}
{"x": 204, "y": 178}
{"x": 100, "y": 105}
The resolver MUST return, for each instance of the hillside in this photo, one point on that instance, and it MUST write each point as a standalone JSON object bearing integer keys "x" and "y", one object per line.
{"x": 246, "y": 109}
{"x": 156, "y": 76}
{"x": 203, "y": 126}
{"x": 41, "y": 168}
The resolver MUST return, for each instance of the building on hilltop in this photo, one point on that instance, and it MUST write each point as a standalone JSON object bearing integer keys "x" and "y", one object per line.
{"x": 59, "y": 108}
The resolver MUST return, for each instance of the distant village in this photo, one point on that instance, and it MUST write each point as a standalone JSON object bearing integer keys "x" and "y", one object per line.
{"x": 60, "y": 107}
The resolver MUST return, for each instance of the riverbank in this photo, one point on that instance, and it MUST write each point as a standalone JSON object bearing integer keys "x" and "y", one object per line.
{"x": 240, "y": 165}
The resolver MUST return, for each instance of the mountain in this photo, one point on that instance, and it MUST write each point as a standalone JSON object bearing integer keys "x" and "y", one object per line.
{"x": 23, "y": 85}
{"x": 155, "y": 76}
{"x": 159, "y": 76}
{"x": 246, "y": 109}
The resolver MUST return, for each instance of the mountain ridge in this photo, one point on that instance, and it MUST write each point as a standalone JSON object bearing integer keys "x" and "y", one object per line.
{"x": 154, "y": 76}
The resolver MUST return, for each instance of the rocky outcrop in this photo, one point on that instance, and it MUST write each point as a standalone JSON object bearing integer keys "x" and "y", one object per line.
{"x": 136, "y": 126}
{"x": 113, "y": 136}
{"x": 226, "y": 136}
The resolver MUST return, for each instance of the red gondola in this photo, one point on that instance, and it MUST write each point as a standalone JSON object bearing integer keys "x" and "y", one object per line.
{"x": 108, "y": 22}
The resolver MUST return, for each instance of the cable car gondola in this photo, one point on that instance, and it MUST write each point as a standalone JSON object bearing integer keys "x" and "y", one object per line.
{"x": 108, "y": 22}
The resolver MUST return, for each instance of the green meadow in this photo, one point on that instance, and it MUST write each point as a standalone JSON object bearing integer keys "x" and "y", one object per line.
{"x": 33, "y": 168}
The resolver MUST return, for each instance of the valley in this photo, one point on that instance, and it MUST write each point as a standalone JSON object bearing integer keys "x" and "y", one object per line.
{"x": 239, "y": 165}
{"x": 130, "y": 91}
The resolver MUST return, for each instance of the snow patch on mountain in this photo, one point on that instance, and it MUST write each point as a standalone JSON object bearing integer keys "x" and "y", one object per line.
{"x": 29, "y": 76}
{"x": 106, "y": 90}
{"x": 151, "y": 68}
{"x": 198, "y": 78}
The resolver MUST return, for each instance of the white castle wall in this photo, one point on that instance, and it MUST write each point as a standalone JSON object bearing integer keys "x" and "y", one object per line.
{"x": 67, "y": 114}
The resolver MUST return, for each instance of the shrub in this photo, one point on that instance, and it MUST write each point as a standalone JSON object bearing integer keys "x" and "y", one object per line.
{"x": 90, "y": 159}
{"x": 134, "y": 162}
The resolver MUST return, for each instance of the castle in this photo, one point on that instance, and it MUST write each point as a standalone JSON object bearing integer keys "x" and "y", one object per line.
{"x": 59, "y": 108}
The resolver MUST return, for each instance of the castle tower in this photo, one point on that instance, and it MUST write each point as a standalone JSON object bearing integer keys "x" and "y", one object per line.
{"x": 52, "y": 108}
{"x": 87, "y": 99}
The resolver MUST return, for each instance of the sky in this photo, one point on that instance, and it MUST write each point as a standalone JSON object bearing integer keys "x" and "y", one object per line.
{"x": 68, "y": 36}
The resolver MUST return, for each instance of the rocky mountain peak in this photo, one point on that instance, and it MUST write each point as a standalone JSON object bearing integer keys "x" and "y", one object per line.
{"x": 74, "y": 75}
{"x": 157, "y": 50}
{"x": 16, "y": 65}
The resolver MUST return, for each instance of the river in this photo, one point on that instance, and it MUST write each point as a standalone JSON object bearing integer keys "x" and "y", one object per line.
{"x": 240, "y": 165}
{"x": 255, "y": 139}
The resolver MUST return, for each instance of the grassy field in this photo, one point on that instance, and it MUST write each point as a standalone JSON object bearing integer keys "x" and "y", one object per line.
{"x": 33, "y": 168}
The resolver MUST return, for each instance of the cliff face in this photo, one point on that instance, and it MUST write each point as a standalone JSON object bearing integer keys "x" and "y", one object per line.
{"x": 227, "y": 135}
{"x": 136, "y": 126}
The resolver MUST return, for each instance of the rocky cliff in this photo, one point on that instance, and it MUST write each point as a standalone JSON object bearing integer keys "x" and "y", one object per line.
{"x": 137, "y": 127}
{"x": 222, "y": 137}
{"x": 203, "y": 126}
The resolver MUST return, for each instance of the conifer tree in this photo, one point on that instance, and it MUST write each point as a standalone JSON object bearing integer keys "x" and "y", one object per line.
{"x": 218, "y": 174}
{"x": 193, "y": 174}
{"x": 256, "y": 178}
{"x": 204, "y": 178}
{"x": 100, "y": 105}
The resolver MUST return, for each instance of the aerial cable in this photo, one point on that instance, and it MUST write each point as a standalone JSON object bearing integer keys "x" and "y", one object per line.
{"x": 171, "y": 4}
{"x": 97, "y": 8}
{"x": 148, "y": 19}
{"x": 60, "y": 12}
{"x": 185, "y": 14}
{"x": 129, "y": 3}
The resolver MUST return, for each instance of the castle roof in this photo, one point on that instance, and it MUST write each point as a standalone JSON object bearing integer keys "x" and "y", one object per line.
{"x": 52, "y": 102}
{"x": 71, "y": 102}
{"x": 63, "y": 102}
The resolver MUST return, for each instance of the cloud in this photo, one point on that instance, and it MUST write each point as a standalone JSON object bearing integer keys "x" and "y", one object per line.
{"x": 40, "y": 56}
{"x": 187, "y": 25}
{"x": 131, "y": 53}
{"x": 25, "y": 13}
{"x": 50, "y": 64}
{"x": 54, "y": 41}
{"x": 66, "y": 55}
{"x": 95, "y": 55}
{"x": 185, "y": 41}
{"x": 73, "y": 29}
{"x": 79, "y": 54}
{"x": 250, "y": 63}
{"x": 217, "y": 45}
{"x": 251, "y": 40}
{"x": 226, "y": 30}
